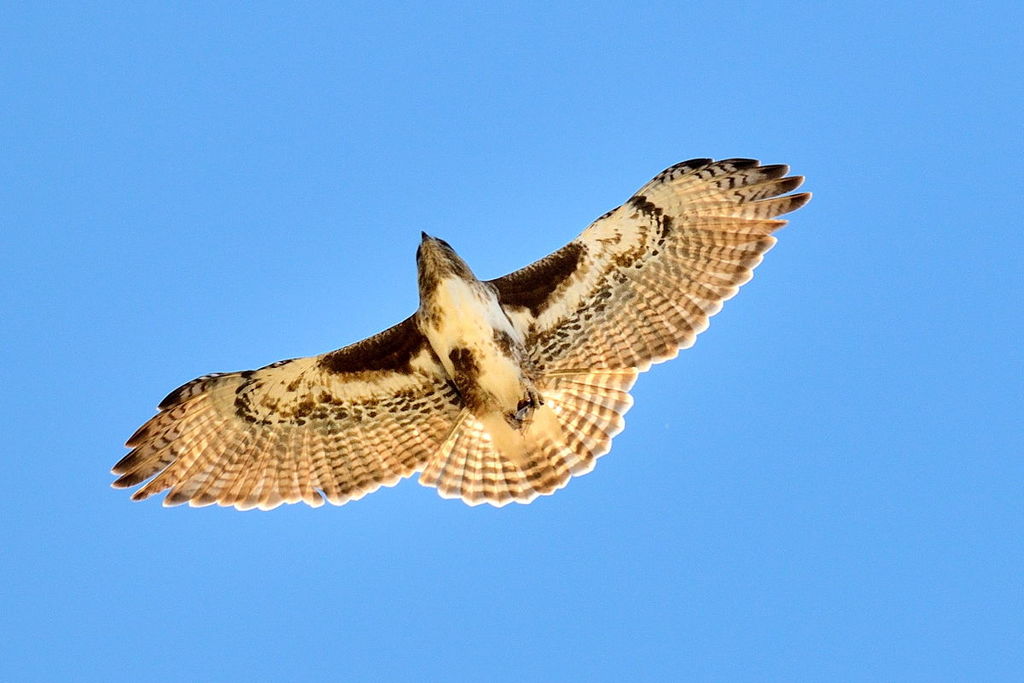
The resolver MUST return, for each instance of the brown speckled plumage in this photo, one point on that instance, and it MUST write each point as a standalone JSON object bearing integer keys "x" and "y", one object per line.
{"x": 635, "y": 287}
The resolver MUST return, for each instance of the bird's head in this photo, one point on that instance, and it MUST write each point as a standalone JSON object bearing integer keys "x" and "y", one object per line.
{"x": 436, "y": 260}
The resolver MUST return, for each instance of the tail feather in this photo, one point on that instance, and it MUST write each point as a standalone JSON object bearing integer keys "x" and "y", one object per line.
{"x": 487, "y": 461}
{"x": 468, "y": 466}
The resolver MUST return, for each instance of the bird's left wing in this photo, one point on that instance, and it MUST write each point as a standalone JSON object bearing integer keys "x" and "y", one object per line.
{"x": 335, "y": 426}
{"x": 641, "y": 281}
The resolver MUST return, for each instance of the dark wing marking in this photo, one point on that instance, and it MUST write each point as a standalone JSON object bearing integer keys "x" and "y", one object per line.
{"x": 393, "y": 349}
{"x": 641, "y": 281}
{"x": 532, "y": 287}
{"x": 335, "y": 426}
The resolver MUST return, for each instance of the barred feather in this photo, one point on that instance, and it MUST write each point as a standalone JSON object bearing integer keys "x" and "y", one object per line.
{"x": 589, "y": 407}
{"x": 642, "y": 281}
{"x": 304, "y": 430}
{"x": 636, "y": 286}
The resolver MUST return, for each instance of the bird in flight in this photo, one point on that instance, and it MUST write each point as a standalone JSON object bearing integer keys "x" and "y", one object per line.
{"x": 495, "y": 391}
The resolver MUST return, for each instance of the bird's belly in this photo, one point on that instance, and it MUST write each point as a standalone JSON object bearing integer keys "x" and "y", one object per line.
{"x": 497, "y": 376}
{"x": 478, "y": 347}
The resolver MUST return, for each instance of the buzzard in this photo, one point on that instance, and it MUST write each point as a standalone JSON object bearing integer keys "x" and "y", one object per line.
{"x": 494, "y": 391}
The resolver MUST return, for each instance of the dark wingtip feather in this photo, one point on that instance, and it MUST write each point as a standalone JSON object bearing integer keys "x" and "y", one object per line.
{"x": 773, "y": 171}
{"x": 175, "y": 498}
{"x": 139, "y": 436}
{"x": 141, "y": 494}
{"x": 174, "y": 397}
{"x": 126, "y": 463}
{"x": 201, "y": 384}
{"x": 687, "y": 166}
{"x": 128, "y": 480}
{"x": 800, "y": 199}
{"x": 791, "y": 183}
{"x": 741, "y": 162}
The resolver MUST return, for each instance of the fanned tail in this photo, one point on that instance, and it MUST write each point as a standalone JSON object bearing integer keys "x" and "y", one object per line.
{"x": 487, "y": 461}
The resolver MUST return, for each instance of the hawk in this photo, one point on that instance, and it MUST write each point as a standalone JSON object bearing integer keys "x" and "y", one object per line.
{"x": 494, "y": 391}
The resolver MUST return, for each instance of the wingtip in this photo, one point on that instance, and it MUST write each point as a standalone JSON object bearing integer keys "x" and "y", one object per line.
{"x": 741, "y": 162}
{"x": 800, "y": 199}
{"x": 173, "y": 398}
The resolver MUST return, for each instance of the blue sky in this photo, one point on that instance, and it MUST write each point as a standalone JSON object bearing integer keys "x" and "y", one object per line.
{"x": 827, "y": 486}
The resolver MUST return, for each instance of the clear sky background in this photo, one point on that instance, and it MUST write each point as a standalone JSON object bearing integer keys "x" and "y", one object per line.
{"x": 826, "y": 487}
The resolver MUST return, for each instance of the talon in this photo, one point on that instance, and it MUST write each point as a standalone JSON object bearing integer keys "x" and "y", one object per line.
{"x": 525, "y": 407}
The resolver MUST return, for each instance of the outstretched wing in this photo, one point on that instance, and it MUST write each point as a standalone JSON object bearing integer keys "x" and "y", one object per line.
{"x": 641, "y": 281}
{"x": 335, "y": 426}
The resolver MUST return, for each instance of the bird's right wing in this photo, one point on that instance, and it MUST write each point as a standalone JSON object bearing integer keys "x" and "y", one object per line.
{"x": 335, "y": 426}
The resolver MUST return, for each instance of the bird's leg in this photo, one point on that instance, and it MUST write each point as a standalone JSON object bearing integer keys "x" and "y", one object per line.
{"x": 526, "y": 406}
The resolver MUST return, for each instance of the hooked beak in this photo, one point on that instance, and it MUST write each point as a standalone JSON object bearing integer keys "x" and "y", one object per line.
{"x": 424, "y": 236}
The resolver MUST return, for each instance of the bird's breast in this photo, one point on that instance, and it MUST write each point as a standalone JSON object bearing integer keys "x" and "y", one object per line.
{"x": 478, "y": 346}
